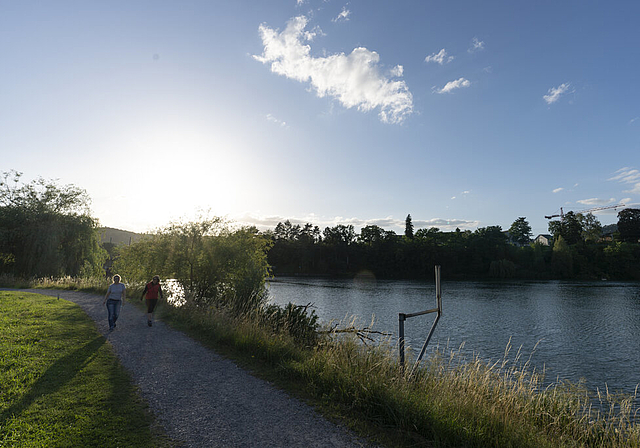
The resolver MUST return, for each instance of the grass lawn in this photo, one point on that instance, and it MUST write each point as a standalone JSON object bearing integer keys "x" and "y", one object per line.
{"x": 60, "y": 383}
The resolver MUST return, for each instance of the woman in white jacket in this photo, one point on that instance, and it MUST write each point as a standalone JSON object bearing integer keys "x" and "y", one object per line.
{"x": 115, "y": 297}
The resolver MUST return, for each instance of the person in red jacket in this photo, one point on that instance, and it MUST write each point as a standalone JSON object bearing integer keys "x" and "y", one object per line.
{"x": 152, "y": 290}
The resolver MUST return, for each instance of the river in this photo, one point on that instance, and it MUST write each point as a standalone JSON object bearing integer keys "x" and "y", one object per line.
{"x": 583, "y": 330}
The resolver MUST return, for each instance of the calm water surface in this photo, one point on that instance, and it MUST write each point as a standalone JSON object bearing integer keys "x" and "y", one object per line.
{"x": 585, "y": 330}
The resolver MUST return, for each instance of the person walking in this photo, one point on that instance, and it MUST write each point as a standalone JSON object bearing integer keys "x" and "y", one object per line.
{"x": 152, "y": 290}
{"x": 114, "y": 299}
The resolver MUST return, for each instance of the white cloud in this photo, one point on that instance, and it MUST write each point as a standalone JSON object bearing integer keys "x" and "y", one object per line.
{"x": 558, "y": 190}
{"x": 439, "y": 58}
{"x": 555, "y": 93}
{"x": 354, "y": 79}
{"x": 628, "y": 176}
{"x": 397, "y": 71}
{"x": 446, "y": 224}
{"x": 633, "y": 120}
{"x": 596, "y": 201}
{"x": 273, "y": 119}
{"x": 462, "y": 194}
{"x": 476, "y": 45}
{"x": 389, "y": 223}
{"x": 343, "y": 16}
{"x": 453, "y": 85}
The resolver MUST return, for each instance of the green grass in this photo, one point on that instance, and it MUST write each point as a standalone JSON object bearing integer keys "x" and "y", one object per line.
{"x": 60, "y": 383}
{"x": 450, "y": 402}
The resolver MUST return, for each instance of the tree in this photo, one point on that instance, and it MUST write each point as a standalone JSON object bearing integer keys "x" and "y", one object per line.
{"x": 287, "y": 231}
{"x": 569, "y": 228}
{"x": 340, "y": 235}
{"x": 408, "y": 227}
{"x": 629, "y": 225}
{"x": 591, "y": 227}
{"x": 520, "y": 231}
{"x": 46, "y": 229}
{"x": 371, "y": 234}
{"x": 562, "y": 260}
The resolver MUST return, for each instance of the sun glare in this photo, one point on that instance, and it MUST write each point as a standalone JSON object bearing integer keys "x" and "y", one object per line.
{"x": 179, "y": 171}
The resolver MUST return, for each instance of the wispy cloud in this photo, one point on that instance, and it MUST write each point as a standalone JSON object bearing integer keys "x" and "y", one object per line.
{"x": 558, "y": 190}
{"x": 343, "y": 16}
{"x": 633, "y": 120}
{"x": 440, "y": 57}
{"x": 555, "y": 93}
{"x": 355, "y": 80}
{"x": 273, "y": 119}
{"x": 453, "y": 85}
{"x": 463, "y": 194}
{"x": 476, "y": 45}
{"x": 628, "y": 176}
{"x": 596, "y": 201}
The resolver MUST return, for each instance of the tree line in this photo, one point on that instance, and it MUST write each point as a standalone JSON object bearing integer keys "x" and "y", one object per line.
{"x": 46, "y": 230}
{"x": 578, "y": 250}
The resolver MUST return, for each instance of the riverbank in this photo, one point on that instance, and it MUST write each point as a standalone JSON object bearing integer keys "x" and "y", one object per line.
{"x": 451, "y": 402}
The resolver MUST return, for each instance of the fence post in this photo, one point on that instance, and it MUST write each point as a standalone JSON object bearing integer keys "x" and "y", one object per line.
{"x": 401, "y": 318}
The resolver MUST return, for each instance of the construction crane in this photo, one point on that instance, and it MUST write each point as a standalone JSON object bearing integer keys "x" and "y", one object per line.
{"x": 561, "y": 215}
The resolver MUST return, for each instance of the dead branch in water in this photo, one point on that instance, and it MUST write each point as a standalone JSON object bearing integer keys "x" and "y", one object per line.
{"x": 364, "y": 334}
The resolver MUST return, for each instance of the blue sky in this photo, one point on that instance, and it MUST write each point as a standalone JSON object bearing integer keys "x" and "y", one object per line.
{"x": 462, "y": 113}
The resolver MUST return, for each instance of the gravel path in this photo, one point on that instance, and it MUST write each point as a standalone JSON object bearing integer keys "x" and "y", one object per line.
{"x": 202, "y": 399}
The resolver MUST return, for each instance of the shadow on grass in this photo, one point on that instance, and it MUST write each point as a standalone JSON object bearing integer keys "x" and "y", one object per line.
{"x": 56, "y": 376}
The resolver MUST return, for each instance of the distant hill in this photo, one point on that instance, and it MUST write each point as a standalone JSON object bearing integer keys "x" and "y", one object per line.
{"x": 117, "y": 236}
{"x": 609, "y": 229}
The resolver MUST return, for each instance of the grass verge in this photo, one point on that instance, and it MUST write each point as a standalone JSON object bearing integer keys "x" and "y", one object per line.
{"x": 61, "y": 385}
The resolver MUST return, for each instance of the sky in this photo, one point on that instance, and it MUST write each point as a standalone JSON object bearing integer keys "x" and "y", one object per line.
{"x": 464, "y": 114}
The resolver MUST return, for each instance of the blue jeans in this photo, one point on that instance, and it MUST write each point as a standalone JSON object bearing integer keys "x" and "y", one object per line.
{"x": 113, "y": 306}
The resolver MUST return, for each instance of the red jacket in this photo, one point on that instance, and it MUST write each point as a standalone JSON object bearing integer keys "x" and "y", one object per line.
{"x": 152, "y": 290}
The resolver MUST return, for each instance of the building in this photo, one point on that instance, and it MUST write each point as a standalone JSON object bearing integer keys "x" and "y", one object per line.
{"x": 544, "y": 239}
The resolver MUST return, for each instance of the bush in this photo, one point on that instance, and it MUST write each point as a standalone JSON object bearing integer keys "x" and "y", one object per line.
{"x": 294, "y": 320}
{"x": 214, "y": 265}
